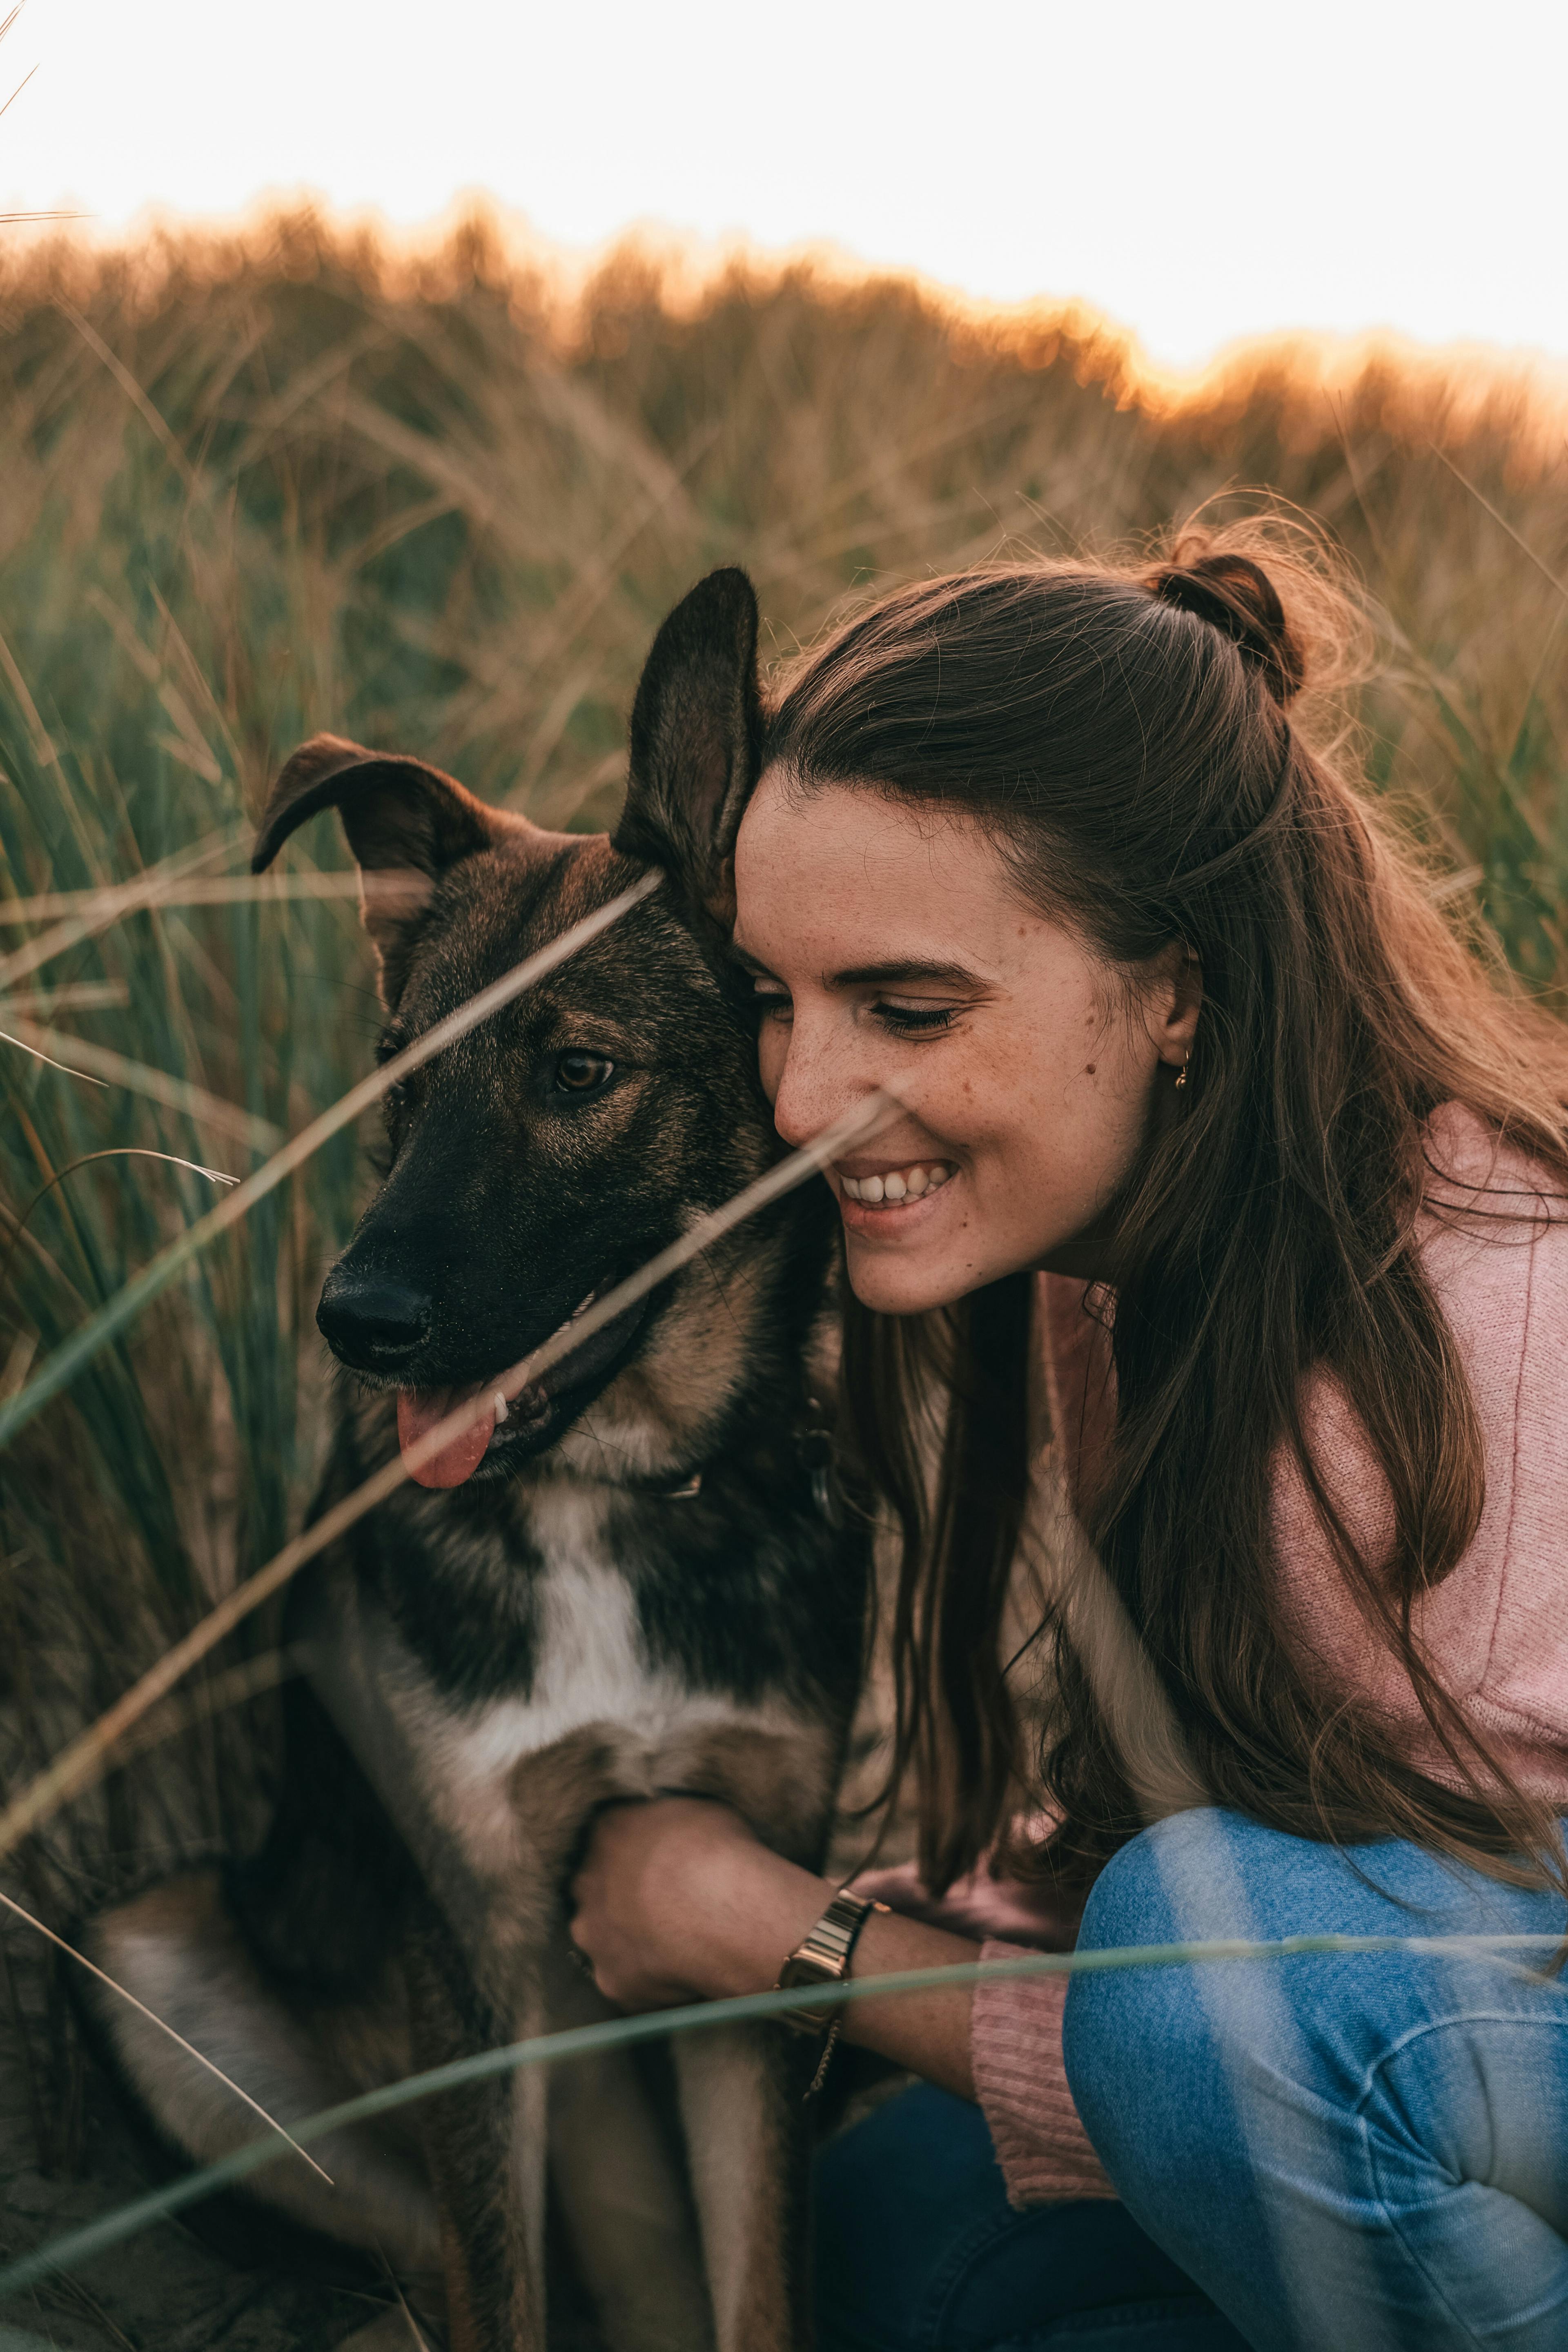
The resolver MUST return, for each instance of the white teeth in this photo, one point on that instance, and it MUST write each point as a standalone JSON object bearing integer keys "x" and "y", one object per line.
{"x": 899, "y": 1184}
{"x": 500, "y": 1408}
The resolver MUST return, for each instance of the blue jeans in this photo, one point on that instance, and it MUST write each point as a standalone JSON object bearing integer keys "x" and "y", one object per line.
{"x": 918, "y": 2250}
{"x": 1366, "y": 2152}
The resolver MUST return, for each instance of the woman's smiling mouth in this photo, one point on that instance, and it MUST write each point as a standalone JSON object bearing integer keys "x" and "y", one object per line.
{"x": 897, "y": 1188}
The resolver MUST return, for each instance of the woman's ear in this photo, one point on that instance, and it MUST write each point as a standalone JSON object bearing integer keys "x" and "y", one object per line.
{"x": 1175, "y": 1002}
{"x": 696, "y": 741}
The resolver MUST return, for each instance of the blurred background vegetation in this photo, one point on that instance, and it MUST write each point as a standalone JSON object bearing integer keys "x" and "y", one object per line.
{"x": 252, "y": 489}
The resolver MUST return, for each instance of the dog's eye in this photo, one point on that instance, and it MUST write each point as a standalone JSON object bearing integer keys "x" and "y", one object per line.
{"x": 579, "y": 1074}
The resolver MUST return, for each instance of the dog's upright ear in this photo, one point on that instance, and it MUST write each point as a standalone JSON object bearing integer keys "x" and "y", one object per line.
{"x": 406, "y": 823}
{"x": 697, "y": 732}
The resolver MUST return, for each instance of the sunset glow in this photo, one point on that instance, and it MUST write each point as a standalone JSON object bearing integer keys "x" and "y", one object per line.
{"x": 1196, "y": 175}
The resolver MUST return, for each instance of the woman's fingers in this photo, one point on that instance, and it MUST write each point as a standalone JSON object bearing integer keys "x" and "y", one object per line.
{"x": 638, "y": 1896}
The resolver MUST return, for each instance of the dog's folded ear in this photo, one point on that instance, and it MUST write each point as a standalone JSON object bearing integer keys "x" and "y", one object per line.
{"x": 697, "y": 732}
{"x": 406, "y": 823}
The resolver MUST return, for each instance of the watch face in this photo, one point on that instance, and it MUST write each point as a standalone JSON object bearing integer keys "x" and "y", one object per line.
{"x": 799, "y": 1971}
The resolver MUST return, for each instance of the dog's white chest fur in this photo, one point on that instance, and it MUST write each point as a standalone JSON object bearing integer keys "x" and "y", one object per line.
{"x": 591, "y": 1665}
{"x": 592, "y": 1672}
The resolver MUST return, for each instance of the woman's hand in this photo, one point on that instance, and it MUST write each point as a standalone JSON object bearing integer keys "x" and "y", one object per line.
{"x": 677, "y": 1901}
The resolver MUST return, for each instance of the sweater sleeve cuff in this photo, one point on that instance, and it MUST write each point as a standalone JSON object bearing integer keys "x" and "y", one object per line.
{"x": 1020, "y": 2081}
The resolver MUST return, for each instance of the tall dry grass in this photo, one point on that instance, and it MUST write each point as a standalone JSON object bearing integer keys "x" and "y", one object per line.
{"x": 256, "y": 488}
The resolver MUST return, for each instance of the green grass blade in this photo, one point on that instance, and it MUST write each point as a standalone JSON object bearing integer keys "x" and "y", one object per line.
{"x": 79, "y": 2245}
{"x": 61, "y": 1368}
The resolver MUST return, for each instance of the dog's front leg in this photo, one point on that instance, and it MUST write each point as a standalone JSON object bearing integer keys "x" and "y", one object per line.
{"x": 618, "y": 2178}
{"x": 741, "y": 2105}
{"x": 485, "y": 2147}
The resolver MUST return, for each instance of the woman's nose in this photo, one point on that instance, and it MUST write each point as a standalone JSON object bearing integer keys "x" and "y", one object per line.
{"x": 819, "y": 1082}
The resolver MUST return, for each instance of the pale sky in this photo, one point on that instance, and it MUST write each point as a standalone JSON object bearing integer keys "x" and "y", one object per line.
{"x": 1198, "y": 170}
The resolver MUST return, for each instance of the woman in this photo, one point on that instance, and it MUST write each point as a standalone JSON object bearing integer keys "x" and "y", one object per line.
{"x": 1208, "y": 1116}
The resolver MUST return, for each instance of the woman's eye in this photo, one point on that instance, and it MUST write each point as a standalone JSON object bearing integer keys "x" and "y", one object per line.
{"x": 914, "y": 1020}
{"x": 769, "y": 1002}
{"x": 579, "y": 1072}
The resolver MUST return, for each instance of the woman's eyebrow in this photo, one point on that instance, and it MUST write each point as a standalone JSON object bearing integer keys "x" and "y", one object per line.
{"x": 885, "y": 975}
{"x": 876, "y": 975}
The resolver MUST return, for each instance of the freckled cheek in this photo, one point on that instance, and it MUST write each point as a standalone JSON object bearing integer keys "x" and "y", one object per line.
{"x": 1044, "y": 1136}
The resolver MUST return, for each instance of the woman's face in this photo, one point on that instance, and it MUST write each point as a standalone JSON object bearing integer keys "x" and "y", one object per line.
{"x": 890, "y": 949}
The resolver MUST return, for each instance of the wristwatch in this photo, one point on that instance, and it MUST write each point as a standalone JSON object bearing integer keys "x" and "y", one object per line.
{"x": 823, "y": 1958}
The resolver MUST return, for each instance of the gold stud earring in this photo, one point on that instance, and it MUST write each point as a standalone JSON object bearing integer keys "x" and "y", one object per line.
{"x": 1182, "y": 1073}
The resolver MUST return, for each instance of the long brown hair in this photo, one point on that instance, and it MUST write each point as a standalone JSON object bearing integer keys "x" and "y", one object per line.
{"x": 1131, "y": 738}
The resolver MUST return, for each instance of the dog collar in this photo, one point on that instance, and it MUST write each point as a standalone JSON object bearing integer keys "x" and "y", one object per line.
{"x": 815, "y": 1444}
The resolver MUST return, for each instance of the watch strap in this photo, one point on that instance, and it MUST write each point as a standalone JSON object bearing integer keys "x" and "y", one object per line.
{"x": 823, "y": 1958}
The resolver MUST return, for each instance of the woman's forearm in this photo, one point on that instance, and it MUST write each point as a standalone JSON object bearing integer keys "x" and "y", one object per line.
{"x": 676, "y": 1901}
{"x": 765, "y": 1911}
{"x": 926, "y": 2031}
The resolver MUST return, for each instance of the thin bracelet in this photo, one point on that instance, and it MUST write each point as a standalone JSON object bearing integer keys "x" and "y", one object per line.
{"x": 823, "y": 1958}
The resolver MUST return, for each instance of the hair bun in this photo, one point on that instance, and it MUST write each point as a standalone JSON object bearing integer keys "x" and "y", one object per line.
{"x": 1236, "y": 594}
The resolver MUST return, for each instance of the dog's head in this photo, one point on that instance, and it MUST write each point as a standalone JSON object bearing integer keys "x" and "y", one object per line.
{"x": 568, "y": 1137}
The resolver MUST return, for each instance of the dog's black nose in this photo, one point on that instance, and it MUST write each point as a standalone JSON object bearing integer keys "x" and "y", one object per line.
{"x": 372, "y": 1320}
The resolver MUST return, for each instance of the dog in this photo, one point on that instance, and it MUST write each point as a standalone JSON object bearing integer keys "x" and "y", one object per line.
{"x": 636, "y": 1581}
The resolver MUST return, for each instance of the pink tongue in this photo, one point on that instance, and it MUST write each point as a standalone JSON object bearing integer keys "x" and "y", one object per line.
{"x": 419, "y": 1409}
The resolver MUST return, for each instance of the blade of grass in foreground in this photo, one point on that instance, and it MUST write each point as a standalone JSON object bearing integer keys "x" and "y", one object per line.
{"x": 104, "y": 1067}
{"x": 59, "y": 1370}
{"x": 82, "y": 1761}
{"x": 179, "y": 2041}
{"x": 225, "y": 890}
{"x": 582, "y": 2042}
{"x": 103, "y": 908}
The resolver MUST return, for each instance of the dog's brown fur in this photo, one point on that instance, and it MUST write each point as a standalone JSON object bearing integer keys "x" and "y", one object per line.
{"x": 492, "y": 1664}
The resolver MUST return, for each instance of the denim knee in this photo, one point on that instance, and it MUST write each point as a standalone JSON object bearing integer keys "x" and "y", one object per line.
{"x": 1129, "y": 2035}
{"x": 1182, "y": 2064}
{"x": 1317, "y": 2141}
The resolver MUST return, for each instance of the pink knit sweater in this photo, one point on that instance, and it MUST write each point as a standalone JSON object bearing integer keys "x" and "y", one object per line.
{"x": 1494, "y": 1240}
